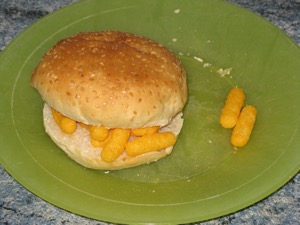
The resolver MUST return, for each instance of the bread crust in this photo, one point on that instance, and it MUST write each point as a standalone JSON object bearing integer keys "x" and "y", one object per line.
{"x": 78, "y": 146}
{"x": 112, "y": 78}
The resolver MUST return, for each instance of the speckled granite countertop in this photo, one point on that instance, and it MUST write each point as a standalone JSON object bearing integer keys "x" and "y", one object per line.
{"x": 19, "y": 206}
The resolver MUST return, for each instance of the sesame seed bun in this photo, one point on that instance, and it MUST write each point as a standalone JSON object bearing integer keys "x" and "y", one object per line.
{"x": 112, "y": 78}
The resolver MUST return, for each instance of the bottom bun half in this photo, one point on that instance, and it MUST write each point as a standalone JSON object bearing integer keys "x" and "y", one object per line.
{"x": 78, "y": 147}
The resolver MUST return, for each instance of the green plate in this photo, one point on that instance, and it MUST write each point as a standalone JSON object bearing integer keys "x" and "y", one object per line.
{"x": 205, "y": 177}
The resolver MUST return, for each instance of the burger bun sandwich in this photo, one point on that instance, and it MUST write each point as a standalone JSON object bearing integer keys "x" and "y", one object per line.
{"x": 112, "y": 99}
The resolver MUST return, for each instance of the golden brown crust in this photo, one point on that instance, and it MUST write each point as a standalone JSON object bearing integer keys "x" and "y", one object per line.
{"x": 112, "y": 78}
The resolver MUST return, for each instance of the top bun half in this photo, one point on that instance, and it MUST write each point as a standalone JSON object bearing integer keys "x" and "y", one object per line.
{"x": 112, "y": 78}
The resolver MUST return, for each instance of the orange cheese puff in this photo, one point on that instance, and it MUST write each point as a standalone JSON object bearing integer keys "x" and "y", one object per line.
{"x": 68, "y": 125}
{"x": 150, "y": 143}
{"x": 242, "y": 131}
{"x": 99, "y": 133}
{"x": 115, "y": 144}
{"x": 100, "y": 144}
{"x": 143, "y": 131}
{"x": 56, "y": 115}
{"x": 232, "y": 108}
{"x": 97, "y": 144}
